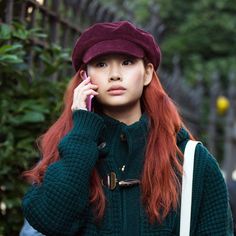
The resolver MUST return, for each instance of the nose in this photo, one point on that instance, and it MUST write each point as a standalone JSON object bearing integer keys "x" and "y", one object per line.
{"x": 114, "y": 74}
{"x": 115, "y": 77}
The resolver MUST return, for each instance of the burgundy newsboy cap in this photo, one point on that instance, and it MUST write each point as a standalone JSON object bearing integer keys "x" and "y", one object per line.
{"x": 115, "y": 37}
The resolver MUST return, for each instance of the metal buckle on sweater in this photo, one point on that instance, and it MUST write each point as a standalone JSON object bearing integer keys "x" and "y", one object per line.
{"x": 110, "y": 181}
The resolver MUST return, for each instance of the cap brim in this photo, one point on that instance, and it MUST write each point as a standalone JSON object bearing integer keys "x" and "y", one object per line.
{"x": 120, "y": 46}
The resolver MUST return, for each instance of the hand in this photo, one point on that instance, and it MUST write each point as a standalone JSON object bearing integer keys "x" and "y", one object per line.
{"x": 81, "y": 92}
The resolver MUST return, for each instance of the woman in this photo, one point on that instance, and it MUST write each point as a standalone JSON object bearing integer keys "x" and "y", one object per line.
{"x": 117, "y": 170}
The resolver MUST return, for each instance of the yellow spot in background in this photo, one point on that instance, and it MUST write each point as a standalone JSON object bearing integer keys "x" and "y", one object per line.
{"x": 222, "y": 105}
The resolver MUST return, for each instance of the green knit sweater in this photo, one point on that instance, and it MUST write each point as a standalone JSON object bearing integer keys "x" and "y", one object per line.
{"x": 60, "y": 205}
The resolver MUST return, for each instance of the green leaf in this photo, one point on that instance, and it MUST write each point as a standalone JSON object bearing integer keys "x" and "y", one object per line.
{"x": 5, "y": 31}
{"x": 10, "y": 59}
{"x": 32, "y": 117}
{"x": 25, "y": 143}
{"x": 21, "y": 34}
{"x": 28, "y": 117}
{"x": 32, "y": 105}
{"x": 10, "y": 48}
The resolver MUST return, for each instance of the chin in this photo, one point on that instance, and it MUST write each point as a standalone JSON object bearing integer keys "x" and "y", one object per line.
{"x": 122, "y": 105}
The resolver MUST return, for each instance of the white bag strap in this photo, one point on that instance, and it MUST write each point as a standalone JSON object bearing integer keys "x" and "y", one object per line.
{"x": 187, "y": 181}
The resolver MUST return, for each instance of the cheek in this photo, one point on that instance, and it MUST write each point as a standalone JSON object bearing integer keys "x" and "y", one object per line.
{"x": 96, "y": 77}
{"x": 139, "y": 91}
{"x": 92, "y": 73}
{"x": 138, "y": 84}
{"x": 137, "y": 79}
{"x": 136, "y": 88}
{"x": 98, "y": 81}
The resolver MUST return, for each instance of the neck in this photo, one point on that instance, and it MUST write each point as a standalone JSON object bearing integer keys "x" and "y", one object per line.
{"x": 127, "y": 115}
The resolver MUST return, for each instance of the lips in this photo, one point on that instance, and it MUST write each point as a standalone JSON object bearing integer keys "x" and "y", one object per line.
{"x": 116, "y": 90}
{"x": 116, "y": 87}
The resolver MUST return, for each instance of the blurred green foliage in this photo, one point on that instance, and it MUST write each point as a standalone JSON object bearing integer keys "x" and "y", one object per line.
{"x": 202, "y": 33}
{"x": 30, "y": 102}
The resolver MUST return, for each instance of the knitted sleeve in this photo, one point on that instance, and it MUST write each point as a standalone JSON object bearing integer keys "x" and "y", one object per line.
{"x": 56, "y": 206}
{"x": 215, "y": 214}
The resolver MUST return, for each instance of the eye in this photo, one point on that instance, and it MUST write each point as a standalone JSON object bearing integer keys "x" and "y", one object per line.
{"x": 100, "y": 64}
{"x": 128, "y": 62}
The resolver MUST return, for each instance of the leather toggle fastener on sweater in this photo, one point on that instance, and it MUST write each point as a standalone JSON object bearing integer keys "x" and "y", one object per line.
{"x": 111, "y": 182}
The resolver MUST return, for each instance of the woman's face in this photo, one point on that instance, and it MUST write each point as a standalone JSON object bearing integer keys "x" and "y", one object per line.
{"x": 120, "y": 79}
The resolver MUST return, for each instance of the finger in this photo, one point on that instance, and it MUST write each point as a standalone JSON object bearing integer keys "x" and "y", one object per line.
{"x": 84, "y": 82}
{"x": 90, "y": 92}
{"x": 80, "y": 101}
{"x": 89, "y": 86}
{"x": 87, "y": 79}
{"x": 94, "y": 86}
{"x": 86, "y": 87}
{"x": 82, "y": 95}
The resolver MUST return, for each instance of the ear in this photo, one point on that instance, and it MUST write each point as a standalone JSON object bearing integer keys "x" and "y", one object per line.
{"x": 81, "y": 73}
{"x": 148, "y": 74}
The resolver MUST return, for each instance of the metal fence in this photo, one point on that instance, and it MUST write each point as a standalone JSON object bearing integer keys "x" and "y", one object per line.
{"x": 62, "y": 20}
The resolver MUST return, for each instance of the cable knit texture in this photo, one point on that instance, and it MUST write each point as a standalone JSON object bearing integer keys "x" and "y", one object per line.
{"x": 60, "y": 205}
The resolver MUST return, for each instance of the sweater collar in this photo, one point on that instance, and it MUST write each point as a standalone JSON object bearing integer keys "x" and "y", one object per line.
{"x": 135, "y": 133}
{"x": 111, "y": 122}
{"x": 143, "y": 125}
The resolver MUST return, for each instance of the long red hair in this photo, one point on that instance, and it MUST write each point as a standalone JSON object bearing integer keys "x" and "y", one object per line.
{"x": 159, "y": 182}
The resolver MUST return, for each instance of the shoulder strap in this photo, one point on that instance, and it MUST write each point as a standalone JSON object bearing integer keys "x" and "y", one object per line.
{"x": 187, "y": 180}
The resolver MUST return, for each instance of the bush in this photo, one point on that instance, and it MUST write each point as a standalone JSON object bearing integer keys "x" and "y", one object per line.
{"x": 30, "y": 102}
